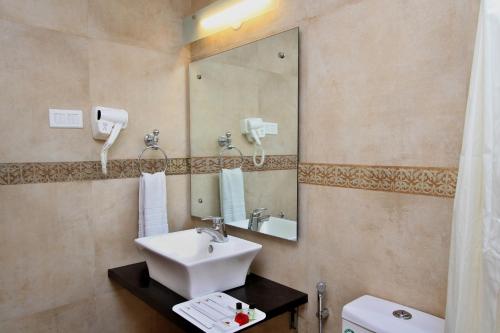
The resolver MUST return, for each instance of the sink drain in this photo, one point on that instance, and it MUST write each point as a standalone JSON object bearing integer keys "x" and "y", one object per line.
{"x": 210, "y": 249}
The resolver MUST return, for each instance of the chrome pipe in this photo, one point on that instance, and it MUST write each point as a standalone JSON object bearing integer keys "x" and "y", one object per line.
{"x": 322, "y": 313}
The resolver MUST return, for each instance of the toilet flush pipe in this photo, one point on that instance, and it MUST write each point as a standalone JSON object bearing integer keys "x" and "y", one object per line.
{"x": 322, "y": 312}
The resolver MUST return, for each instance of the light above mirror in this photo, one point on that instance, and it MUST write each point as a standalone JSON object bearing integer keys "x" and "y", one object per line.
{"x": 223, "y": 14}
{"x": 235, "y": 14}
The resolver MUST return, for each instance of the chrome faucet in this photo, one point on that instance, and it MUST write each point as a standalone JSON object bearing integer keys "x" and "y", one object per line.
{"x": 218, "y": 230}
{"x": 257, "y": 218}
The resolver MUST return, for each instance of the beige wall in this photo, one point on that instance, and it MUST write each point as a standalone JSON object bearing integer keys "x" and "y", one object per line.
{"x": 58, "y": 240}
{"x": 382, "y": 83}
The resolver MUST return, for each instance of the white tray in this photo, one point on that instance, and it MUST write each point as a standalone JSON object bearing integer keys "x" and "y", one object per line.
{"x": 214, "y": 313}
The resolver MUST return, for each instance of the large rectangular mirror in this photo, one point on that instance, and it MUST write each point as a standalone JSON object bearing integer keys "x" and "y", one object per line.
{"x": 244, "y": 135}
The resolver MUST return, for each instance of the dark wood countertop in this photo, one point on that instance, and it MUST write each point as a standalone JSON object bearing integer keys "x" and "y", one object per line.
{"x": 271, "y": 297}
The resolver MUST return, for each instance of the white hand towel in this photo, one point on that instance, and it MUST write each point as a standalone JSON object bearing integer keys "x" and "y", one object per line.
{"x": 152, "y": 205}
{"x": 232, "y": 195}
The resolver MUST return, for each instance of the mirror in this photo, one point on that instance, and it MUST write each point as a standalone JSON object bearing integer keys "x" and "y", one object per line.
{"x": 244, "y": 135}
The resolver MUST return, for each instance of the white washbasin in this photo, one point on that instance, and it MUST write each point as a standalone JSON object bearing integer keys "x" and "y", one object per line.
{"x": 275, "y": 226}
{"x": 282, "y": 227}
{"x": 183, "y": 262}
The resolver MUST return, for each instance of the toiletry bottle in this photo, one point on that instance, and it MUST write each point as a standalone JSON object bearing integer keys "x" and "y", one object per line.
{"x": 241, "y": 317}
{"x": 251, "y": 312}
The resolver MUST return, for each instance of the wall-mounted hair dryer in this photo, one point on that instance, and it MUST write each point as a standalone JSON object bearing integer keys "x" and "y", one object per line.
{"x": 255, "y": 129}
{"x": 106, "y": 125}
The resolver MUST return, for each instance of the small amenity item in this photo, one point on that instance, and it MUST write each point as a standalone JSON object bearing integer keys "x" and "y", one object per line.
{"x": 216, "y": 313}
{"x": 251, "y": 312}
{"x": 241, "y": 317}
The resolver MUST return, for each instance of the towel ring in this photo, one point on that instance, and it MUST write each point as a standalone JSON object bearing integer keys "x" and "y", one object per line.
{"x": 229, "y": 147}
{"x": 153, "y": 147}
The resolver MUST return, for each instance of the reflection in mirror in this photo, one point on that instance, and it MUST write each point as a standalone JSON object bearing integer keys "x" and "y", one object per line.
{"x": 244, "y": 135}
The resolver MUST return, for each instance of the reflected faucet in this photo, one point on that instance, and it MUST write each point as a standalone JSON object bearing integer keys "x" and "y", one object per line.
{"x": 218, "y": 230}
{"x": 256, "y": 218}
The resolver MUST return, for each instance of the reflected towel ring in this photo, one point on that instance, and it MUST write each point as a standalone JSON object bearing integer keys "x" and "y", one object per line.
{"x": 154, "y": 147}
{"x": 229, "y": 148}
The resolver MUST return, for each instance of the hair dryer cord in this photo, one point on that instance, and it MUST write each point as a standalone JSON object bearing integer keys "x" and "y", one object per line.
{"x": 262, "y": 156}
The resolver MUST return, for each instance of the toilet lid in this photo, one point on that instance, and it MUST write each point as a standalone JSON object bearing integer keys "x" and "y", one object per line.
{"x": 376, "y": 315}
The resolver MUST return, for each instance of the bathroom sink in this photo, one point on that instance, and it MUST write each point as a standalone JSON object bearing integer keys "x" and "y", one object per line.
{"x": 192, "y": 265}
{"x": 275, "y": 226}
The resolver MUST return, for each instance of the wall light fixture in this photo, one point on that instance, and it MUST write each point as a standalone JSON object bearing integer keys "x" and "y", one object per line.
{"x": 223, "y": 14}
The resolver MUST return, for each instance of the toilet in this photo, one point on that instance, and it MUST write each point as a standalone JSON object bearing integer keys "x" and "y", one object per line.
{"x": 369, "y": 314}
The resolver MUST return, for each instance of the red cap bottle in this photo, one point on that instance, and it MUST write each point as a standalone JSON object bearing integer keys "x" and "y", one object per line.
{"x": 241, "y": 318}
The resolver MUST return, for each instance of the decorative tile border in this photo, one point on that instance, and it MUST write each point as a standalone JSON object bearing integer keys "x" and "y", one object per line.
{"x": 53, "y": 172}
{"x": 201, "y": 165}
{"x": 431, "y": 181}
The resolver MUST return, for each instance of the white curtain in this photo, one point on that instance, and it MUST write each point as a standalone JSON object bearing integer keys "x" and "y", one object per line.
{"x": 474, "y": 273}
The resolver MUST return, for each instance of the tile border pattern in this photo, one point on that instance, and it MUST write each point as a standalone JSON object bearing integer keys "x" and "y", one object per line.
{"x": 201, "y": 165}
{"x": 432, "y": 181}
{"x": 440, "y": 182}
{"x": 53, "y": 172}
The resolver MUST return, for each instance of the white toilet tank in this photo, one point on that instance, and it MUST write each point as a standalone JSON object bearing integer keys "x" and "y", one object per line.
{"x": 369, "y": 314}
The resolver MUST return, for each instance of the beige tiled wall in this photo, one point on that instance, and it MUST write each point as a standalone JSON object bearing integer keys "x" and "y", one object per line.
{"x": 381, "y": 83}
{"x": 117, "y": 63}
{"x": 58, "y": 240}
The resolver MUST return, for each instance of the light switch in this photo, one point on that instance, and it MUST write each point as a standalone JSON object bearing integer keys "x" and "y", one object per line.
{"x": 271, "y": 128}
{"x": 65, "y": 118}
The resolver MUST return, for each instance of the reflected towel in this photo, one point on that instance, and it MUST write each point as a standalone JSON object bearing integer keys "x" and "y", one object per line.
{"x": 152, "y": 205}
{"x": 232, "y": 195}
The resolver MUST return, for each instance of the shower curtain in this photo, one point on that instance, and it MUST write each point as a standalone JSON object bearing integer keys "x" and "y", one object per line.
{"x": 474, "y": 274}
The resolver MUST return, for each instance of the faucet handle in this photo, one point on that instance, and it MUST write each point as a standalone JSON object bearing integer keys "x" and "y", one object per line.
{"x": 258, "y": 211}
{"x": 217, "y": 221}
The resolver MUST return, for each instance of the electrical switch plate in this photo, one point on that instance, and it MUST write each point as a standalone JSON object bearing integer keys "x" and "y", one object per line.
{"x": 271, "y": 128}
{"x": 65, "y": 118}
